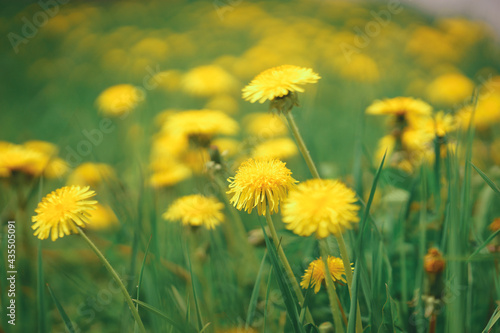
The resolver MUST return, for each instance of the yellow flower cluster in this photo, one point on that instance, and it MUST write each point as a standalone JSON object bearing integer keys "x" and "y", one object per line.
{"x": 33, "y": 158}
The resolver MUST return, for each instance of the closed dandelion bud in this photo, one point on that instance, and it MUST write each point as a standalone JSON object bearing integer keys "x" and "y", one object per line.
{"x": 434, "y": 262}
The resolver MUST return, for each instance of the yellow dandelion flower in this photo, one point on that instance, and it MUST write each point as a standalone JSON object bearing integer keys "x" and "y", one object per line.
{"x": 443, "y": 124}
{"x": 315, "y": 274}
{"x": 400, "y": 106}
{"x": 260, "y": 182}
{"x": 278, "y": 82}
{"x": 320, "y": 206}
{"x": 207, "y": 80}
{"x": 165, "y": 143}
{"x": 486, "y": 114}
{"x": 167, "y": 171}
{"x": 62, "y": 210}
{"x": 196, "y": 210}
{"x": 43, "y": 147}
{"x": 281, "y": 148}
{"x": 102, "y": 218}
{"x": 18, "y": 158}
{"x": 265, "y": 125}
{"x": 200, "y": 123}
{"x": 450, "y": 89}
{"x": 91, "y": 174}
{"x": 119, "y": 100}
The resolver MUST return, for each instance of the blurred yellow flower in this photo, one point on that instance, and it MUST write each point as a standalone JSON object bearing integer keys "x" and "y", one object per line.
{"x": 450, "y": 89}
{"x": 278, "y": 82}
{"x": 360, "y": 68}
{"x": 61, "y": 211}
{"x": 196, "y": 210}
{"x": 400, "y": 106}
{"x": 102, "y": 218}
{"x": 315, "y": 274}
{"x": 167, "y": 171}
{"x": 91, "y": 174}
{"x": 260, "y": 182}
{"x": 443, "y": 124}
{"x": 119, "y": 100}
{"x": 265, "y": 125}
{"x": 201, "y": 124}
{"x": 486, "y": 114}
{"x": 495, "y": 225}
{"x": 281, "y": 148}
{"x": 208, "y": 80}
{"x": 320, "y": 206}
{"x": 34, "y": 158}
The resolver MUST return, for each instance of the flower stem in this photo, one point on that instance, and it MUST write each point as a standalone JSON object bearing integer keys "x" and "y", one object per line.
{"x": 301, "y": 144}
{"x": 348, "y": 274}
{"x": 330, "y": 288}
{"x": 117, "y": 279}
{"x": 314, "y": 171}
{"x": 286, "y": 264}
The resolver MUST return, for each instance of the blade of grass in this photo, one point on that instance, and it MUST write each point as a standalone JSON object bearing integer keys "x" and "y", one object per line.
{"x": 255, "y": 293}
{"x": 351, "y": 324}
{"x": 269, "y": 279}
{"x": 482, "y": 246}
{"x": 197, "y": 307}
{"x": 41, "y": 308}
{"x": 172, "y": 322}
{"x": 65, "y": 318}
{"x": 494, "y": 318}
{"x": 281, "y": 278}
{"x": 488, "y": 181}
{"x": 139, "y": 283}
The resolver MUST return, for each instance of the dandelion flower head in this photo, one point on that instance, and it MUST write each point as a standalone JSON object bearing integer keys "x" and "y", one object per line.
{"x": 119, "y": 100}
{"x": 196, "y": 210}
{"x": 320, "y": 206}
{"x": 400, "y": 106}
{"x": 61, "y": 211}
{"x": 278, "y": 82}
{"x": 260, "y": 182}
{"x": 315, "y": 273}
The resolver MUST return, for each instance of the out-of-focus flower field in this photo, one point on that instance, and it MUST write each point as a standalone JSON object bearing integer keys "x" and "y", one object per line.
{"x": 195, "y": 166}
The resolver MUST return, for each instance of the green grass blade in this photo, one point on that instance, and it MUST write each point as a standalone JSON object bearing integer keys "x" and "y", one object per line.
{"x": 172, "y": 322}
{"x": 197, "y": 307}
{"x": 489, "y": 239}
{"x": 488, "y": 181}
{"x": 255, "y": 293}
{"x": 351, "y": 324}
{"x": 141, "y": 274}
{"x": 269, "y": 279}
{"x": 65, "y": 318}
{"x": 41, "y": 306}
{"x": 494, "y": 318}
{"x": 287, "y": 295}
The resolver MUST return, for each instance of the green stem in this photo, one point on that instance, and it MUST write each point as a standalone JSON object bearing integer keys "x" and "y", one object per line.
{"x": 348, "y": 273}
{"x": 330, "y": 288}
{"x": 314, "y": 171}
{"x": 286, "y": 264}
{"x": 117, "y": 279}
{"x": 301, "y": 144}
